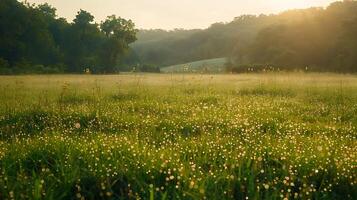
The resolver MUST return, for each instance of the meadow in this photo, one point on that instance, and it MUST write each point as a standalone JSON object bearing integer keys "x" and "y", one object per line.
{"x": 216, "y": 65}
{"x": 178, "y": 136}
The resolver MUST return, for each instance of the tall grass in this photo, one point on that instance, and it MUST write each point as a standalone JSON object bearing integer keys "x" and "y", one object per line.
{"x": 267, "y": 136}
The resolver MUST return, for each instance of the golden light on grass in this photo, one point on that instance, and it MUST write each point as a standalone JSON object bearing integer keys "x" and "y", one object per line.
{"x": 110, "y": 145}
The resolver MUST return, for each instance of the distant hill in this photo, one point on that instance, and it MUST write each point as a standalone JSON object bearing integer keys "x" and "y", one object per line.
{"x": 216, "y": 65}
{"x": 322, "y": 39}
{"x": 165, "y": 48}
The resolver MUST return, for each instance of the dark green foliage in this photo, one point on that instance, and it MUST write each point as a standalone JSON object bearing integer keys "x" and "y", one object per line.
{"x": 4, "y": 66}
{"x": 34, "y": 40}
{"x": 119, "y": 33}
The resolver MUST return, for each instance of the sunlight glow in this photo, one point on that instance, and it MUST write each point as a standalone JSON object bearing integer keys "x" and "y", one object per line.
{"x": 170, "y": 14}
{"x": 279, "y": 5}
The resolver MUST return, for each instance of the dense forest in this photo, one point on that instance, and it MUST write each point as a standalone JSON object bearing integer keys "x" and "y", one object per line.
{"x": 33, "y": 39}
{"x": 317, "y": 39}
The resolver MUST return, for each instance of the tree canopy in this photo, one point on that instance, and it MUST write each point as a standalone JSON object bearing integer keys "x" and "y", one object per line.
{"x": 34, "y": 40}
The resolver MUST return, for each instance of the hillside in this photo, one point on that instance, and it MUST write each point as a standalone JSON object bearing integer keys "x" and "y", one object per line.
{"x": 322, "y": 39}
{"x": 165, "y": 48}
{"x": 215, "y": 65}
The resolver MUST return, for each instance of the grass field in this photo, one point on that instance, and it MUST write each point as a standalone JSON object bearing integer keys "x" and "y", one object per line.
{"x": 216, "y": 65}
{"x": 252, "y": 136}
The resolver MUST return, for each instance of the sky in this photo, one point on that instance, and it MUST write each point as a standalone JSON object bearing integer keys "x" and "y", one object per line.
{"x": 170, "y": 14}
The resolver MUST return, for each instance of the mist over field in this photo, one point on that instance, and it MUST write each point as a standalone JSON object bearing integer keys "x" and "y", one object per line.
{"x": 263, "y": 106}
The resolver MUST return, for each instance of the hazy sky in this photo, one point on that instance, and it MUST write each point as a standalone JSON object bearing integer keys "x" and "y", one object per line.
{"x": 169, "y": 14}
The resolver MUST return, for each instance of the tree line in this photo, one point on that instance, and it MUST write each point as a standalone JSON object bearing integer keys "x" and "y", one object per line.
{"x": 34, "y": 40}
{"x": 314, "y": 39}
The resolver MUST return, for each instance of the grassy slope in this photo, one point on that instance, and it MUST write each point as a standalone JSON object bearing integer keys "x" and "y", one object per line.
{"x": 210, "y": 65}
{"x": 267, "y": 136}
